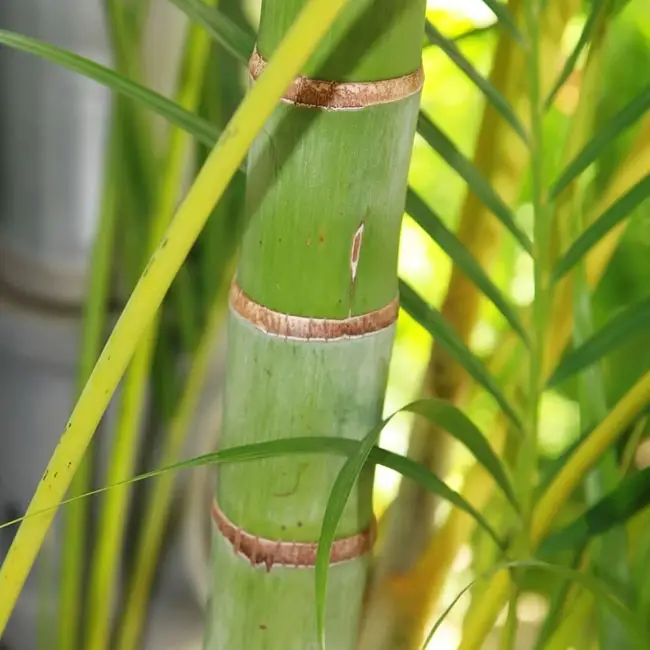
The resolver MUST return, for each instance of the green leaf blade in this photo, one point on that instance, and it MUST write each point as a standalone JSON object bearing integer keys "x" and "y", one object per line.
{"x": 597, "y": 587}
{"x": 444, "y": 335}
{"x": 433, "y": 225}
{"x": 622, "y": 121}
{"x": 583, "y": 41}
{"x": 466, "y": 169}
{"x": 492, "y": 94}
{"x": 201, "y": 129}
{"x": 612, "y": 216}
{"x": 630, "y": 497}
{"x": 618, "y": 330}
{"x": 228, "y": 34}
{"x": 444, "y": 415}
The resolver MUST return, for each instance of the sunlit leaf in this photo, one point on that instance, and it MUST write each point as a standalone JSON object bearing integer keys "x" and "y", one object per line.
{"x": 492, "y": 94}
{"x": 443, "y": 334}
{"x": 583, "y": 41}
{"x": 288, "y": 446}
{"x": 615, "y": 509}
{"x": 609, "y": 555}
{"x": 597, "y": 587}
{"x": 433, "y": 225}
{"x": 635, "y": 318}
{"x": 438, "y": 412}
{"x": 606, "y": 134}
{"x": 556, "y": 465}
{"x": 358, "y": 452}
{"x": 614, "y": 214}
{"x": 477, "y": 183}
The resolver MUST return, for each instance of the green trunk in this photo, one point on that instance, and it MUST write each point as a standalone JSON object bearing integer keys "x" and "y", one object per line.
{"x": 325, "y": 198}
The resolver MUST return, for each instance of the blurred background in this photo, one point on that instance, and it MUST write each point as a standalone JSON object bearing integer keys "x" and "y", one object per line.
{"x": 73, "y": 159}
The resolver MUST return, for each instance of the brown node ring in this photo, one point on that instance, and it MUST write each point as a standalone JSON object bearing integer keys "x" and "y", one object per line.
{"x": 314, "y": 329}
{"x": 260, "y": 551}
{"x": 344, "y": 95}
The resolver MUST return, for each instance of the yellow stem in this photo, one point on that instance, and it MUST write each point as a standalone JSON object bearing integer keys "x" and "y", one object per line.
{"x": 551, "y": 502}
{"x": 160, "y": 497}
{"x": 228, "y": 154}
{"x": 114, "y": 511}
{"x": 604, "y": 435}
{"x": 634, "y": 168}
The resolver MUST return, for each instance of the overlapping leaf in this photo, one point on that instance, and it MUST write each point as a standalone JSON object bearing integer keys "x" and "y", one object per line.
{"x": 226, "y": 32}
{"x": 593, "y": 234}
{"x": 433, "y": 321}
{"x": 438, "y": 412}
{"x": 505, "y": 18}
{"x": 598, "y": 588}
{"x": 491, "y": 92}
{"x": 433, "y": 225}
{"x": 630, "y": 497}
{"x": 632, "y": 320}
{"x": 623, "y": 120}
{"x": 358, "y": 454}
{"x": 201, "y": 129}
{"x": 584, "y": 40}
{"x": 477, "y": 183}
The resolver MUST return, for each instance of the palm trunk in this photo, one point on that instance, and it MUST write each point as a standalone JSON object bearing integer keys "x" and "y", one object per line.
{"x": 311, "y": 324}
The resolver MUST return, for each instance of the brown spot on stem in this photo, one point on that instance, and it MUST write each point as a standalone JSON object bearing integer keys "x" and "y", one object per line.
{"x": 260, "y": 551}
{"x": 349, "y": 95}
{"x": 302, "y": 327}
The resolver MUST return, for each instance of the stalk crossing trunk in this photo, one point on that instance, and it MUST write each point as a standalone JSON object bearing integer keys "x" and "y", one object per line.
{"x": 311, "y": 322}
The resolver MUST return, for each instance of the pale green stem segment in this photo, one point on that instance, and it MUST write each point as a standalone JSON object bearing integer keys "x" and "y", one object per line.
{"x": 325, "y": 196}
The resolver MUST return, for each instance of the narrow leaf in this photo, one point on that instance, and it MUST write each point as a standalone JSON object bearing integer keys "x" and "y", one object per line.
{"x": 492, "y": 94}
{"x": 635, "y": 318}
{"x": 556, "y": 465}
{"x": 474, "y": 31}
{"x": 606, "y": 134}
{"x": 615, "y": 509}
{"x": 597, "y": 587}
{"x": 228, "y": 34}
{"x": 437, "y": 411}
{"x": 432, "y": 320}
{"x": 433, "y": 225}
{"x": 583, "y": 41}
{"x": 288, "y": 446}
{"x": 609, "y": 555}
{"x": 201, "y": 129}
{"x": 594, "y": 233}
{"x": 505, "y": 18}
{"x": 466, "y": 169}
{"x": 557, "y": 604}
{"x": 430, "y": 482}
{"x": 450, "y": 418}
